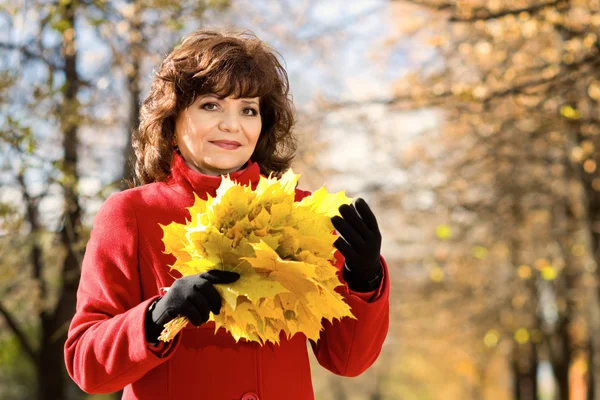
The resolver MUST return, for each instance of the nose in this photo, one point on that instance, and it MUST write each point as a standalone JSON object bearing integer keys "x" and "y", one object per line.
{"x": 230, "y": 122}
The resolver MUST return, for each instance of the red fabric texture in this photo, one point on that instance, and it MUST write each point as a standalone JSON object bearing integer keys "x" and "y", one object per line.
{"x": 124, "y": 269}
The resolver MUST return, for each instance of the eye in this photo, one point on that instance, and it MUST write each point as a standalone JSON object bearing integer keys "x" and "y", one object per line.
{"x": 210, "y": 106}
{"x": 251, "y": 112}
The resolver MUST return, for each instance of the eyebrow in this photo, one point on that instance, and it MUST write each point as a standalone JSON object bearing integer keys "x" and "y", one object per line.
{"x": 214, "y": 96}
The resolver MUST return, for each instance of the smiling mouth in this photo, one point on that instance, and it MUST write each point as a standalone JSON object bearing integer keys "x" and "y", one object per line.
{"x": 227, "y": 145}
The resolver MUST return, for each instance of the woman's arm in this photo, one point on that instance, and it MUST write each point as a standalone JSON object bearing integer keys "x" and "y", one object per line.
{"x": 350, "y": 346}
{"x": 106, "y": 348}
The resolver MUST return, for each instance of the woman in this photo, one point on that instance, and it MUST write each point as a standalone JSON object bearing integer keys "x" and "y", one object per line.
{"x": 219, "y": 105}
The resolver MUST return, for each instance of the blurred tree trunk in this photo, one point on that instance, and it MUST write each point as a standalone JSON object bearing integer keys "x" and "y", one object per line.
{"x": 377, "y": 393}
{"x": 591, "y": 389}
{"x": 133, "y": 71}
{"x": 54, "y": 324}
{"x": 337, "y": 389}
{"x": 54, "y": 311}
{"x": 524, "y": 367}
{"x": 592, "y": 198}
{"x": 561, "y": 363}
{"x": 524, "y": 363}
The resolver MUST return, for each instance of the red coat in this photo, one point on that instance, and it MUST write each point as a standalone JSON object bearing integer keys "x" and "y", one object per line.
{"x": 124, "y": 268}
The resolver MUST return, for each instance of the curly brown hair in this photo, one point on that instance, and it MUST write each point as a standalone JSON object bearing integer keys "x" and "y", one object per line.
{"x": 227, "y": 64}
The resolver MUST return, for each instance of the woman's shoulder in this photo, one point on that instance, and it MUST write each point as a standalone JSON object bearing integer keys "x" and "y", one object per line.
{"x": 129, "y": 199}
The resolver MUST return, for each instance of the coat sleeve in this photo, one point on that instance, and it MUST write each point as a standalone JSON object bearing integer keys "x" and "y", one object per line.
{"x": 106, "y": 348}
{"x": 348, "y": 346}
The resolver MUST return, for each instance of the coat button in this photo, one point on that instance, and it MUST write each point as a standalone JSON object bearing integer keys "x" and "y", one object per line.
{"x": 250, "y": 396}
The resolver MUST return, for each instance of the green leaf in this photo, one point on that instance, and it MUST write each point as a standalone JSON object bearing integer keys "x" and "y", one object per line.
{"x": 61, "y": 25}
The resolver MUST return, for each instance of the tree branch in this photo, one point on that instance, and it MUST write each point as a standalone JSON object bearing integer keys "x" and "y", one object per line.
{"x": 482, "y": 13}
{"x": 29, "y": 55}
{"x": 33, "y": 219}
{"x": 430, "y": 4}
{"x": 12, "y": 324}
{"x": 592, "y": 59}
{"x": 486, "y": 15}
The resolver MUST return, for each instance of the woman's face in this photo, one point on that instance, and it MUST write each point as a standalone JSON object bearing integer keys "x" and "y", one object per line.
{"x": 217, "y": 136}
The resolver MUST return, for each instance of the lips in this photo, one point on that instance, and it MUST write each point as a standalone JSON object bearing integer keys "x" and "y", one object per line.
{"x": 227, "y": 144}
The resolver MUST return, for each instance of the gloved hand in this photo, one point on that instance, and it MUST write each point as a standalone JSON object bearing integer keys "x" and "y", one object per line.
{"x": 360, "y": 244}
{"x": 192, "y": 296}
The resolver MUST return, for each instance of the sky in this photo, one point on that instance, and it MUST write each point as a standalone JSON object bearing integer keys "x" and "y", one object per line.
{"x": 326, "y": 44}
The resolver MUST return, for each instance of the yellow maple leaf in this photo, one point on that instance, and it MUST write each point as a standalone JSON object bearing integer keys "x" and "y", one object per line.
{"x": 269, "y": 307}
{"x": 327, "y": 303}
{"x": 320, "y": 246}
{"x": 305, "y": 321}
{"x": 271, "y": 239}
{"x": 287, "y": 302}
{"x": 231, "y": 204}
{"x": 174, "y": 238}
{"x": 239, "y": 230}
{"x": 276, "y": 190}
{"x": 308, "y": 222}
{"x": 238, "y": 320}
{"x": 198, "y": 212}
{"x": 283, "y": 251}
{"x": 289, "y": 181}
{"x": 254, "y": 287}
{"x": 271, "y": 190}
{"x": 324, "y": 203}
{"x": 289, "y": 243}
{"x": 281, "y": 215}
{"x": 323, "y": 268}
{"x": 261, "y": 220}
{"x": 296, "y": 276}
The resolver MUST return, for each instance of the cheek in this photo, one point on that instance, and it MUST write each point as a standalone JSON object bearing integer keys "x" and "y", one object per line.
{"x": 197, "y": 126}
{"x": 256, "y": 132}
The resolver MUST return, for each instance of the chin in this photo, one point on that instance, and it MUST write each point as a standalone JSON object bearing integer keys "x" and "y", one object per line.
{"x": 227, "y": 166}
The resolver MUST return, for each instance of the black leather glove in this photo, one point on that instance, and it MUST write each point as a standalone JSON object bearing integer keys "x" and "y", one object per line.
{"x": 192, "y": 296}
{"x": 360, "y": 244}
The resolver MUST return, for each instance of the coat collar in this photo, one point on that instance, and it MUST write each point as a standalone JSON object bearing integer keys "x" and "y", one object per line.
{"x": 192, "y": 181}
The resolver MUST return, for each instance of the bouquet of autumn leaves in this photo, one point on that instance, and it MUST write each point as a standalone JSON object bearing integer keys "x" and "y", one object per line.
{"x": 282, "y": 249}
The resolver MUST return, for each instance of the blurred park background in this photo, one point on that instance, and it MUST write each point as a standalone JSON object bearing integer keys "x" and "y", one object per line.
{"x": 472, "y": 127}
